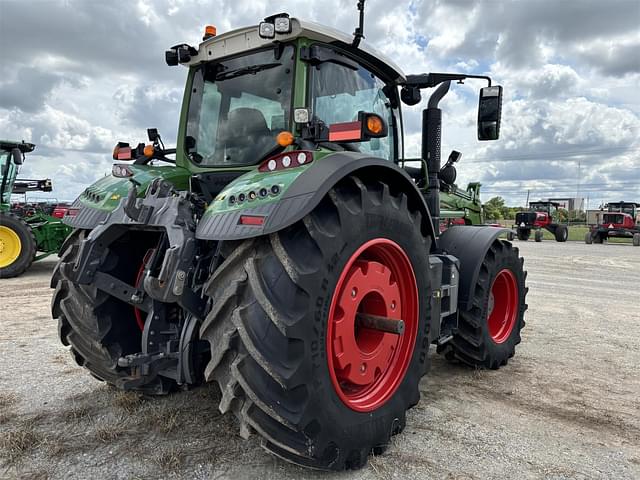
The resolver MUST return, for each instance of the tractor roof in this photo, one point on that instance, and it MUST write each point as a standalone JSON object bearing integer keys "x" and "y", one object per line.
{"x": 244, "y": 39}
{"x": 545, "y": 202}
{"x": 623, "y": 204}
{"x": 8, "y": 145}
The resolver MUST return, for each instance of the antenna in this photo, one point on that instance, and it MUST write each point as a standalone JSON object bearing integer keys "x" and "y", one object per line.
{"x": 359, "y": 32}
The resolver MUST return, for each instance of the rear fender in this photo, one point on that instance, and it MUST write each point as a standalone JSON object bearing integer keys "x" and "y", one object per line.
{"x": 470, "y": 245}
{"x": 306, "y": 192}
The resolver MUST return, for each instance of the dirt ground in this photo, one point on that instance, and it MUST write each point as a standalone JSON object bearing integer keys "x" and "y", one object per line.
{"x": 566, "y": 406}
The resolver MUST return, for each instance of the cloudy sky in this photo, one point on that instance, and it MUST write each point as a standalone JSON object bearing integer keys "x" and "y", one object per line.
{"x": 79, "y": 75}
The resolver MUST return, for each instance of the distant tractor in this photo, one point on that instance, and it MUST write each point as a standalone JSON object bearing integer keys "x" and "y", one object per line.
{"x": 619, "y": 221}
{"x": 457, "y": 206}
{"x": 541, "y": 215}
{"x": 24, "y": 231}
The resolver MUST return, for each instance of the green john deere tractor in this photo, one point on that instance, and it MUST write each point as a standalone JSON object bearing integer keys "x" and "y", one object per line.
{"x": 24, "y": 238}
{"x": 282, "y": 250}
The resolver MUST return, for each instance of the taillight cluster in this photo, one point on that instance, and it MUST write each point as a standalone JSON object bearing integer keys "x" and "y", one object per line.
{"x": 283, "y": 161}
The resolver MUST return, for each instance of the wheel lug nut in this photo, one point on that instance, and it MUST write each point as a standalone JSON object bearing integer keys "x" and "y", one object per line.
{"x": 363, "y": 367}
{"x": 354, "y": 292}
{"x": 393, "y": 305}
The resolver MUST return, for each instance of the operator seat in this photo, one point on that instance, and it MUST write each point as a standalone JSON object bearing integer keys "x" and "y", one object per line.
{"x": 246, "y": 136}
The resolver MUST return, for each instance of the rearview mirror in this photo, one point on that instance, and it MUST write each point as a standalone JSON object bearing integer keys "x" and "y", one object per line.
{"x": 16, "y": 155}
{"x": 489, "y": 113}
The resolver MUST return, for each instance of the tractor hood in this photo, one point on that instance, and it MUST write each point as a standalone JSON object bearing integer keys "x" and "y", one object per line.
{"x": 106, "y": 193}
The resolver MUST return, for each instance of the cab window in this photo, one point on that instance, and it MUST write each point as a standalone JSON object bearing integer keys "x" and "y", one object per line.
{"x": 339, "y": 92}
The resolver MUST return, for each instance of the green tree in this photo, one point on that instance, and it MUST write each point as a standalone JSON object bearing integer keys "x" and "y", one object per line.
{"x": 493, "y": 208}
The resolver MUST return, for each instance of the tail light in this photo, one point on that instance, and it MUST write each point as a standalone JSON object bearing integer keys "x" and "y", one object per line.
{"x": 122, "y": 151}
{"x": 283, "y": 161}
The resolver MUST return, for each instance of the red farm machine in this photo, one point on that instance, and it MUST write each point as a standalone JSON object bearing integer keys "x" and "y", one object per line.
{"x": 621, "y": 220}
{"x": 542, "y": 215}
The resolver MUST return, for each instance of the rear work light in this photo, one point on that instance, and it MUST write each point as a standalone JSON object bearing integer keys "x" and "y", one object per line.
{"x": 121, "y": 171}
{"x": 283, "y": 161}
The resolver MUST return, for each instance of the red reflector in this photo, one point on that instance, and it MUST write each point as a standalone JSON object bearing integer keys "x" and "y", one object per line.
{"x": 251, "y": 220}
{"x": 72, "y": 212}
{"x": 124, "y": 153}
{"x": 341, "y": 132}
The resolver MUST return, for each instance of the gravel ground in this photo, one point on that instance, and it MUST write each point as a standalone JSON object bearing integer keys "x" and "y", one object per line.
{"x": 566, "y": 406}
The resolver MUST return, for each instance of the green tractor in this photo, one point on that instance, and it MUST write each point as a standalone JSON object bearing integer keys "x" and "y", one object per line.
{"x": 283, "y": 252}
{"x": 457, "y": 206}
{"x": 24, "y": 238}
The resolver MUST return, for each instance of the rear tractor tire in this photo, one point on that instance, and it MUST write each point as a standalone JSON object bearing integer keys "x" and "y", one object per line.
{"x": 98, "y": 327}
{"x": 17, "y": 246}
{"x": 489, "y": 332}
{"x": 561, "y": 233}
{"x": 288, "y": 349}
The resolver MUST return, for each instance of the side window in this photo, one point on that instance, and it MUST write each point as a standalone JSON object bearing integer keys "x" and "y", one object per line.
{"x": 209, "y": 119}
{"x": 340, "y": 92}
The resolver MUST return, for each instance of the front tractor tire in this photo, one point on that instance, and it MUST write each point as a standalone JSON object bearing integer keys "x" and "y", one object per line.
{"x": 98, "y": 328}
{"x": 288, "y": 350}
{"x": 17, "y": 246}
{"x": 538, "y": 235}
{"x": 523, "y": 234}
{"x": 489, "y": 331}
{"x": 588, "y": 238}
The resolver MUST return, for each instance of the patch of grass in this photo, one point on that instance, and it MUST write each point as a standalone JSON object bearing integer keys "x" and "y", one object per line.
{"x": 128, "y": 401}
{"x": 7, "y": 399}
{"x": 76, "y": 413}
{"x": 169, "y": 459}
{"x": 107, "y": 431}
{"x": 35, "y": 475}
{"x": 19, "y": 441}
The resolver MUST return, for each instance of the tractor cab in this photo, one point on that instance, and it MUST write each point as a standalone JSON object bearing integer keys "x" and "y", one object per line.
{"x": 11, "y": 157}
{"x": 620, "y": 215}
{"x": 545, "y": 212}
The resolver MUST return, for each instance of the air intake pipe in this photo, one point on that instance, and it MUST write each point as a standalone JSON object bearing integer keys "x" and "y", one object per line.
{"x": 431, "y": 138}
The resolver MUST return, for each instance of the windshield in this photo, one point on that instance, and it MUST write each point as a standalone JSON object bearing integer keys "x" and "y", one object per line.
{"x": 624, "y": 208}
{"x": 541, "y": 207}
{"x": 238, "y": 107}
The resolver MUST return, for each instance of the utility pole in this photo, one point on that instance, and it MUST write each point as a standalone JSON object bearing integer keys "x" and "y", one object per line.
{"x": 577, "y": 190}
{"x": 528, "y": 192}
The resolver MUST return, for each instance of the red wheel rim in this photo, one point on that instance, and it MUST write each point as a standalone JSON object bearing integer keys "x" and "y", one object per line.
{"x": 503, "y": 305}
{"x": 366, "y": 365}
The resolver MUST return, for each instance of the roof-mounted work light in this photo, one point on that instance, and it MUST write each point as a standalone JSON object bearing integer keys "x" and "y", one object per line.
{"x": 280, "y": 23}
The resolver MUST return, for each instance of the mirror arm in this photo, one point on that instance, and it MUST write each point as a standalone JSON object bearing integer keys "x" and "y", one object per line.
{"x": 429, "y": 80}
